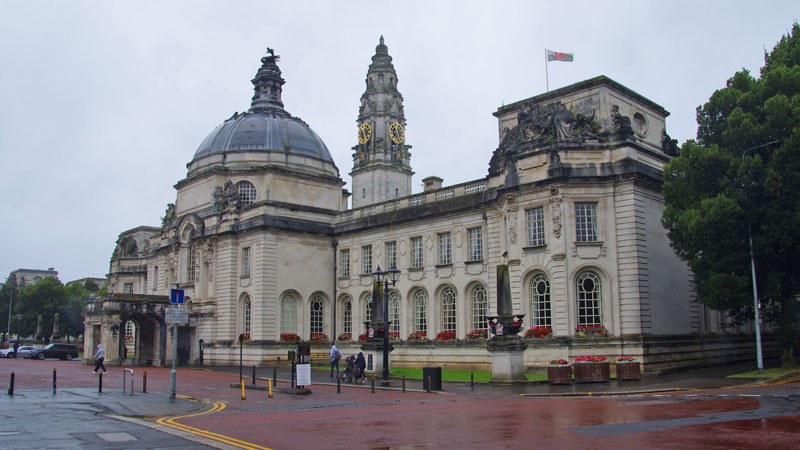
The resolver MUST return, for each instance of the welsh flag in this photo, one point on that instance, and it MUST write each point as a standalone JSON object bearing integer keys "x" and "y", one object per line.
{"x": 558, "y": 56}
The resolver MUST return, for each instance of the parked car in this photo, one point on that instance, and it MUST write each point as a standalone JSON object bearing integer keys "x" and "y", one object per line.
{"x": 60, "y": 351}
{"x": 24, "y": 351}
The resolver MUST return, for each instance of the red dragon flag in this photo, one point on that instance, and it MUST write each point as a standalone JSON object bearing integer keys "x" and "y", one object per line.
{"x": 558, "y": 56}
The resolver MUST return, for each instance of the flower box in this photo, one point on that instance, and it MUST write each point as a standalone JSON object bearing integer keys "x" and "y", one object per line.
{"x": 627, "y": 371}
{"x": 559, "y": 374}
{"x": 592, "y": 372}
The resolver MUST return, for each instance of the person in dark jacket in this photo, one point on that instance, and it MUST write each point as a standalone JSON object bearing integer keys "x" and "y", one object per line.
{"x": 361, "y": 365}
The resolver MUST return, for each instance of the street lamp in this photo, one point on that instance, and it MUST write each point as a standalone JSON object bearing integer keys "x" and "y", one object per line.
{"x": 390, "y": 275}
{"x": 759, "y": 356}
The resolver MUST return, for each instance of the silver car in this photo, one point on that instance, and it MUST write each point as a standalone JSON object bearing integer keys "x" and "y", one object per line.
{"x": 24, "y": 351}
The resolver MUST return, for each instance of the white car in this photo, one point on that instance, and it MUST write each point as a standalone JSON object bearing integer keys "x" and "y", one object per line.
{"x": 24, "y": 351}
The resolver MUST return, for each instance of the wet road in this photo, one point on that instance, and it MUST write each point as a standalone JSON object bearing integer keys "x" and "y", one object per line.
{"x": 737, "y": 417}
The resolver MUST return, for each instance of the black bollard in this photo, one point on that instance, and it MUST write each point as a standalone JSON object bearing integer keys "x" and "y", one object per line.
{"x": 11, "y": 385}
{"x": 372, "y": 382}
{"x": 472, "y": 380}
{"x": 404, "y": 383}
{"x": 54, "y": 380}
{"x": 254, "y": 375}
{"x": 338, "y": 385}
{"x": 144, "y": 383}
{"x": 429, "y": 385}
{"x": 100, "y": 383}
{"x": 274, "y": 376}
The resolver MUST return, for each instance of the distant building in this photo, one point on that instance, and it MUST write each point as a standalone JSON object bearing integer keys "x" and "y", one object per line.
{"x": 82, "y": 281}
{"x": 263, "y": 243}
{"x": 27, "y": 277}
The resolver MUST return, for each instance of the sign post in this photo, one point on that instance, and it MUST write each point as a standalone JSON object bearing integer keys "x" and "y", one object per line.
{"x": 175, "y": 316}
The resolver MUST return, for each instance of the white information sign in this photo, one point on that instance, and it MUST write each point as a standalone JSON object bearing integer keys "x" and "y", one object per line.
{"x": 303, "y": 375}
{"x": 177, "y": 315}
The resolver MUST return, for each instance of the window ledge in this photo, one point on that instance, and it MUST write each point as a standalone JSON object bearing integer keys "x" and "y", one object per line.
{"x": 535, "y": 248}
{"x": 588, "y": 243}
{"x": 438, "y": 266}
{"x": 474, "y": 261}
{"x": 415, "y": 269}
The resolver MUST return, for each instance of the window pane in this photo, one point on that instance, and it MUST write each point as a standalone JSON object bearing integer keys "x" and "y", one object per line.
{"x": 445, "y": 255}
{"x": 540, "y": 301}
{"x": 589, "y": 292}
{"x": 288, "y": 315}
{"x": 420, "y": 311}
{"x": 394, "y": 312}
{"x": 391, "y": 254}
{"x": 347, "y": 308}
{"x": 246, "y": 306}
{"x": 366, "y": 259}
{"x": 475, "y": 244}
{"x": 344, "y": 262}
{"x": 246, "y": 262}
{"x": 247, "y": 192}
{"x": 416, "y": 252}
{"x": 316, "y": 315}
{"x": 449, "y": 309}
{"x": 535, "y": 225}
{"x": 586, "y": 222}
{"x": 480, "y": 306}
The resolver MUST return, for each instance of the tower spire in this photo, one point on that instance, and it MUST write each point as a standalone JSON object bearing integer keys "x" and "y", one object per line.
{"x": 381, "y": 160}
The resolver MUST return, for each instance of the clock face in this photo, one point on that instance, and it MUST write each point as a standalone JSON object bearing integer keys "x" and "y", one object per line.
{"x": 396, "y": 133}
{"x": 364, "y": 133}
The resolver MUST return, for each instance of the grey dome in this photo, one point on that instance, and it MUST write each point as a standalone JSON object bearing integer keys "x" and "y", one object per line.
{"x": 266, "y": 126}
{"x": 264, "y": 131}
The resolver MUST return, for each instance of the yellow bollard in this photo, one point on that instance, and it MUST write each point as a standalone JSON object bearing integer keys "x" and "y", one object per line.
{"x": 269, "y": 387}
{"x": 243, "y": 396}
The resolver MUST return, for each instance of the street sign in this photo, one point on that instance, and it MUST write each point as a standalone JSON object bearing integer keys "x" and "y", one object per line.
{"x": 177, "y": 315}
{"x": 176, "y": 296}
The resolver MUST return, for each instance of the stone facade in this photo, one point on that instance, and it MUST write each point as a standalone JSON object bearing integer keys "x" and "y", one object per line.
{"x": 263, "y": 243}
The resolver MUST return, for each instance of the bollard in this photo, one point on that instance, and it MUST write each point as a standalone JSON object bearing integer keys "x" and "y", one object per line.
{"x": 100, "y": 383}
{"x": 11, "y": 385}
{"x": 243, "y": 396}
{"x": 428, "y": 390}
{"x": 472, "y": 380}
{"x": 269, "y": 388}
{"x": 125, "y": 371}
{"x": 404, "y": 383}
{"x": 338, "y": 385}
{"x": 372, "y": 382}
{"x": 274, "y": 375}
{"x": 54, "y": 380}
{"x": 254, "y": 375}
{"x": 144, "y": 383}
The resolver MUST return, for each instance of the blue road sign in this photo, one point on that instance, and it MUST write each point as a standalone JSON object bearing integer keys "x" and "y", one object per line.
{"x": 176, "y": 296}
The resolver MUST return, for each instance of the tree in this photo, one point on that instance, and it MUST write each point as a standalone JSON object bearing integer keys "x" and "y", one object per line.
{"x": 741, "y": 180}
{"x": 44, "y": 299}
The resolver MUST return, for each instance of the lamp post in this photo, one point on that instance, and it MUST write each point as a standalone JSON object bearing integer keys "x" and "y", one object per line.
{"x": 759, "y": 355}
{"x": 10, "y": 304}
{"x": 390, "y": 275}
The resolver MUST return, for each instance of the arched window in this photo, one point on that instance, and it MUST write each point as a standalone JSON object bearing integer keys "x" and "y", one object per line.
{"x": 247, "y": 192}
{"x": 448, "y": 298}
{"x": 420, "y": 311}
{"x": 347, "y": 315}
{"x": 480, "y": 306}
{"x": 368, "y": 309}
{"x": 316, "y": 314}
{"x": 540, "y": 301}
{"x": 588, "y": 287}
{"x": 394, "y": 312}
{"x": 246, "y": 313}
{"x": 130, "y": 332}
{"x": 288, "y": 314}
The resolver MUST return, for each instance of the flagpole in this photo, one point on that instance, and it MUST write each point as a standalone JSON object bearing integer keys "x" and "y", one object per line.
{"x": 546, "y": 75}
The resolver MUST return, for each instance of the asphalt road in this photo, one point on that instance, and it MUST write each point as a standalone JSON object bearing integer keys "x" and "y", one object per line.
{"x": 210, "y": 413}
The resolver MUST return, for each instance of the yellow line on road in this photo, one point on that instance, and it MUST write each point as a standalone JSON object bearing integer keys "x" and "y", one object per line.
{"x": 217, "y": 406}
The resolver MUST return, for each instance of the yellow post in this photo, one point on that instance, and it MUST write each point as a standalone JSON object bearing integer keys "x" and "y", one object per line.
{"x": 243, "y": 396}
{"x": 269, "y": 387}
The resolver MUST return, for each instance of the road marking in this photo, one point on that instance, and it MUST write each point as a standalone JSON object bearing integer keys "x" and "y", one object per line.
{"x": 217, "y": 406}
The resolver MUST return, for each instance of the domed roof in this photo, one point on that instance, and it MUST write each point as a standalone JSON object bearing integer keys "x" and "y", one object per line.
{"x": 266, "y": 126}
{"x": 264, "y": 131}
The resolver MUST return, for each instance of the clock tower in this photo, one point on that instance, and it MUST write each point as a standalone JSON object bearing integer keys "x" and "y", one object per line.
{"x": 381, "y": 159}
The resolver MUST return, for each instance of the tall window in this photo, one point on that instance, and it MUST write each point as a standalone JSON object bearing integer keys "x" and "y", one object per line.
{"x": 288, "y": 314}
{"x": 316, "y": 315}
{"x": 155, "y": 278}
{"x": 130, "y": 332}
{"x": 416, "y": 252}
{"x": 344, "y": 262}
{"x": 246, "y": 262}
{"x": 586, "y": 222}
{"x": 391, "y": 254}
{"x": 540, "y": 301}
{"x": 366, "y": 259}
{"x": 368, "y": 309}
{"x": 127, "y": 288}
{"x": 480, "y": 307}
{"x": 590, "y": 299}
{"x": 420, "y": 311}
{"x": 448, "y": 309}
{"x": 247, "y": 192}
{"x": 475, "y": 244}
{"x": 394, "y": 312}
{"x": 190, "y": 262}
{"x": 445, "y": 249}
{"x": 246, "y": 313}
{"x": 347, "y": 315}
{"x": 535, "y": 221}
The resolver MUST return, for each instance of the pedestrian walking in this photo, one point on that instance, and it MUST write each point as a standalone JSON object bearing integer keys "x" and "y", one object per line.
{"x": 335, "y": 357}
{"x": 99, "y": 357}
{"x": 16, "y": 348}
{"x": 361, "y": 366}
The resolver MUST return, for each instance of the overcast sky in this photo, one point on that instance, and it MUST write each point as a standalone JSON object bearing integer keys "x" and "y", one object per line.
{"x": 103, "y": 103}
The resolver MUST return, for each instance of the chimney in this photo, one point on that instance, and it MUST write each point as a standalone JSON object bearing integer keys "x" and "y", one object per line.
{"x": 432, "y": 183}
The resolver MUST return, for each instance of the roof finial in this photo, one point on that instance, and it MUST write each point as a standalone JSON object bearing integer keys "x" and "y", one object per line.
{"x": 381, "y": 39}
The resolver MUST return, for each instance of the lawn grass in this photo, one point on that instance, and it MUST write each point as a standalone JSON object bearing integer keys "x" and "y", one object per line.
{"x": 768, "y": 374}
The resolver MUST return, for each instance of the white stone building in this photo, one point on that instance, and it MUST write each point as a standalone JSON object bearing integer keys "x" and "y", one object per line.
{"x": 263, "y": 242}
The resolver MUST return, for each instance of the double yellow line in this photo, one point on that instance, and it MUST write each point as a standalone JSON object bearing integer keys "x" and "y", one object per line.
{"x": 217, "y": 406}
